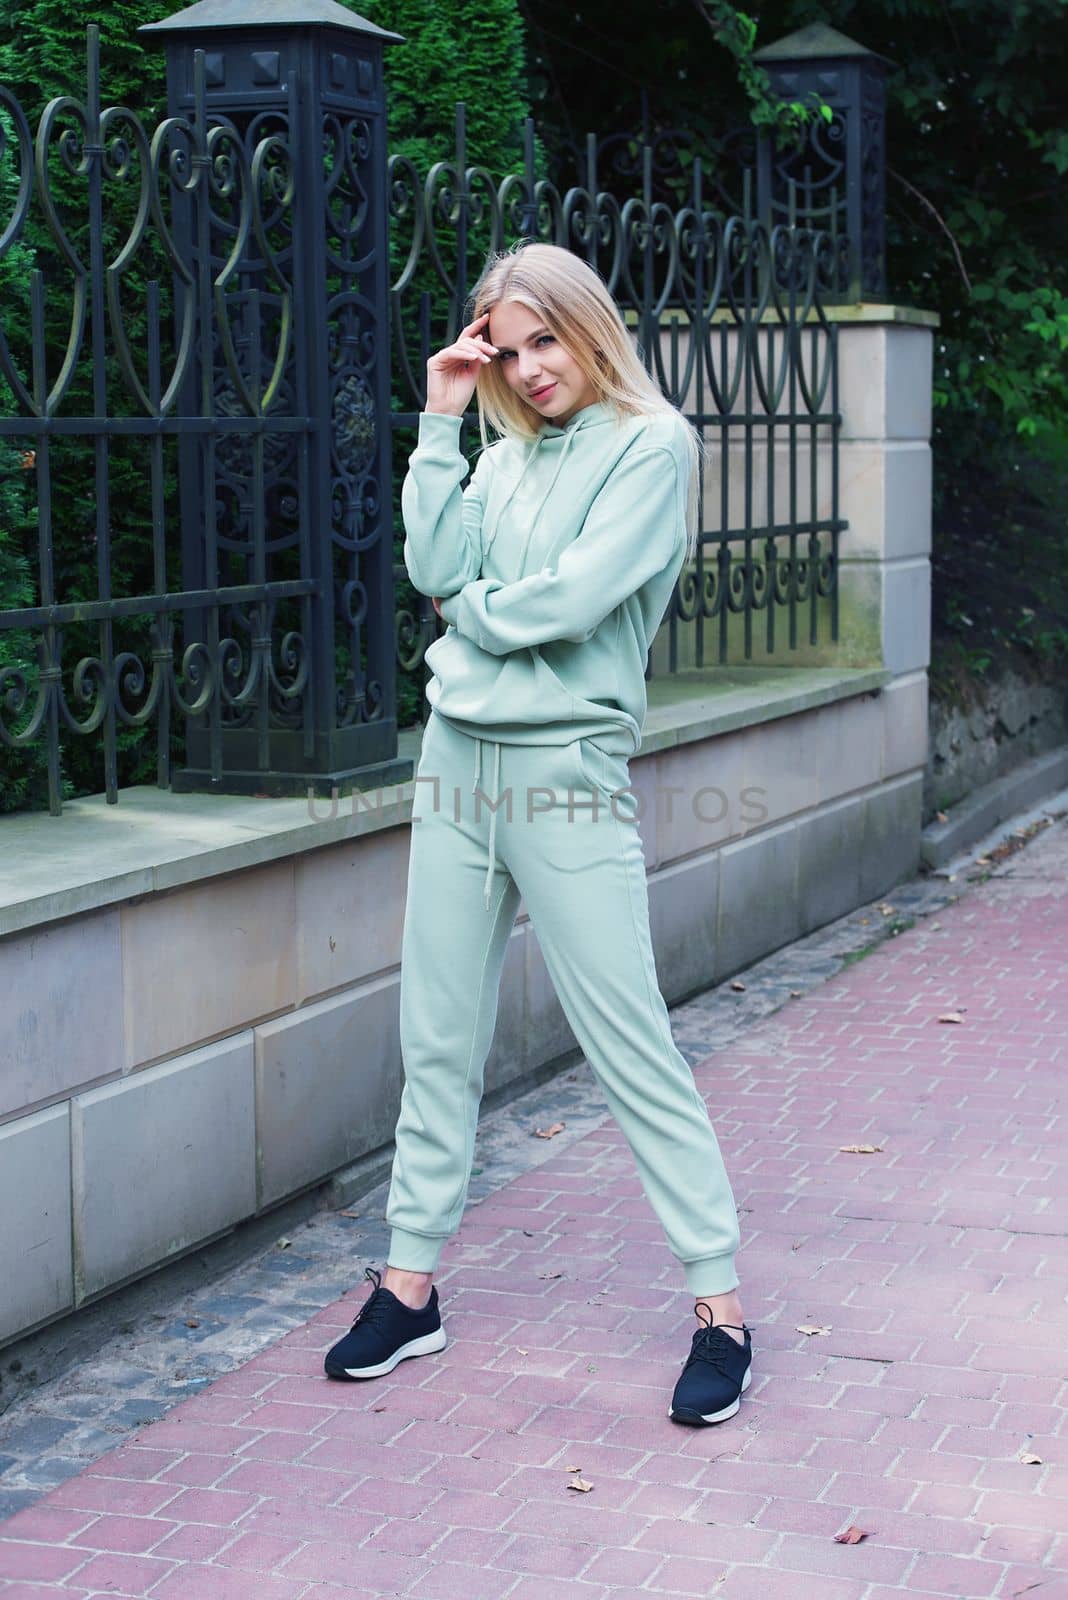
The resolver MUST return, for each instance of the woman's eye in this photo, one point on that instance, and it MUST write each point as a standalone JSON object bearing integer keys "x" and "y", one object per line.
{"x": 545, "y": 338}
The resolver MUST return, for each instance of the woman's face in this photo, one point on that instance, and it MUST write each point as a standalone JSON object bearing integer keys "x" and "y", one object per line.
{"x": 536, "y": 365}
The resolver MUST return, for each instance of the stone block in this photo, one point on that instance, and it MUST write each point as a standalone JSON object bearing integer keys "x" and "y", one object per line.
{"x": 231, "y": 940}
{"x": 850, "y": 746}
{"x": 161, "y": 1161}
{"x": 350, "y": 915}
{"x": 328, "y": 1084}
{"x": 904, "y": 705}
{"x": 909, "y": 386}
{"x": 758, "y": 906}
{"x": 885, "y": 495}
{"x": 829, "y": 848}
{"x": 906, "y": 615}
{"x": 862, "y": 377}
{"x": 697, "y": 800}
{"x": 61, "y": 1021}
{"x": 860, "y": 618}
{"x": 780, "y": 767}
{"x": 892, "y": 835}
{"x": 884, "y": 381}
{"x": 35, "y": 1245}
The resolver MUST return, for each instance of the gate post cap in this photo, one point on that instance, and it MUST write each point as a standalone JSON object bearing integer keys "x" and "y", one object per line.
{"x": 817, "y": 42}
{"x": 250, "y": 14}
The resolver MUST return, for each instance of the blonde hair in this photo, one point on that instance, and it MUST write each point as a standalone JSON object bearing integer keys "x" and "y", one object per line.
{"x": 573, "y": 301}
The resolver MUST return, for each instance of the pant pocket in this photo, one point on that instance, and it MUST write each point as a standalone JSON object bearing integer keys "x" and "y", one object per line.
{"x": 605, "y": 774}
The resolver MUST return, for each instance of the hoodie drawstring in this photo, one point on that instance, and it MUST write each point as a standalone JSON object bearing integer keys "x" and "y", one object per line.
{"x": 496, "y": 795}
{"x": 569, "y": 436}
{"x": 495, "y": 799}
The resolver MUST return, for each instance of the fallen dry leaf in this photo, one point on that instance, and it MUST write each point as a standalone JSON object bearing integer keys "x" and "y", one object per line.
{"x": 581, "y": 1485}
{"x": 348, "y": 1213}
{"x": 738, "y": 985}
{"x": 887, "y": 910}
{"x": 283, "y": 1243}
{"x": 941, "y": 816}
{"x": 851, "y": 1535}
{"x": 521, "y": 1352}
{"x": 550, "y": 1274}
{"x": 192, "y": 1322}
{"x": 1030, "y": 1460}
{"x": 951, "y": 1016}
{"x": 860, "y": 1149}
{"x": 811, "y": 1327}
{"x": 572, "y": 1469}
{"x": 550, "y": 1133}
{"x": 795, "y": 994}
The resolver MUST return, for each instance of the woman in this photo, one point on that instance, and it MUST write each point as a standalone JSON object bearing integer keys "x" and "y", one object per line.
{"x": 553, "y": 569}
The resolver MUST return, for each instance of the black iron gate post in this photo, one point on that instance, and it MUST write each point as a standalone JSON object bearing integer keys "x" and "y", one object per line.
{"x": 835, "y": 176}
{"x": 287, "y": 473}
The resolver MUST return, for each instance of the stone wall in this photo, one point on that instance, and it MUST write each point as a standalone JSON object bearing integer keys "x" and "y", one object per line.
{"x": 1011, "y": 720}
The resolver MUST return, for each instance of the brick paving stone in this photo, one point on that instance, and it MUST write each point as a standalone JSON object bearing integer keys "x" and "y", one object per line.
{"x": 955, "y": 1576}
{"x": 448, "y": 1481}
{"x": 448, "y": 1580}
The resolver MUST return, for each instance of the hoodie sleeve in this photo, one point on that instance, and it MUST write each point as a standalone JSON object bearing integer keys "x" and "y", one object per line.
{"x": 443, "y": 523}
{"x": 634, "y": 529}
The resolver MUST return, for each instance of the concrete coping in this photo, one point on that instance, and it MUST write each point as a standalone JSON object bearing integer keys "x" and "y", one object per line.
{"x": 860, "y": 311}
{"x": 97, "y": 855}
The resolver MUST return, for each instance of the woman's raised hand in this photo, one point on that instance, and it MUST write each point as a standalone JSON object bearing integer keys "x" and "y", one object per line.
{"x": 452, "y": 373}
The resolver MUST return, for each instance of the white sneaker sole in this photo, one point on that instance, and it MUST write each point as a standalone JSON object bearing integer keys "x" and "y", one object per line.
{"x": 424, "y": 1346}
{"x": 714, "y": 1416}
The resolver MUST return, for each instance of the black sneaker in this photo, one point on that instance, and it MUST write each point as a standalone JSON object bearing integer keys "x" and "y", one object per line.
{"x": 716, "y": 1374}
{"x": 385, "y": 1333}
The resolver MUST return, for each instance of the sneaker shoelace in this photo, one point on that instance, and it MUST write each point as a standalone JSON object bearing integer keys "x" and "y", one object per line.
{"x": 375, "y": 1306}
{"x": 711, "y": 1344}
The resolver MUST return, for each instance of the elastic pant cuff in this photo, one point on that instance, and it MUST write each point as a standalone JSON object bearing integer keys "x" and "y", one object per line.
{"x": 712, "y": 1275}
{"x": 414, "y": 1252}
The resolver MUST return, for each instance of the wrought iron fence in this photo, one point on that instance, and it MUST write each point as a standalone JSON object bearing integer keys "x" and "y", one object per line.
{"x": 212, "y": 389}
{"x": 208, "y": 312}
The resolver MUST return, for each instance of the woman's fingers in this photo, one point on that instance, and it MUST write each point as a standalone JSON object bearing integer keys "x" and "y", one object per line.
{"x": 478, "y": 323}
{"x": 463, "y": 352}
{"x": 476, "y": 329}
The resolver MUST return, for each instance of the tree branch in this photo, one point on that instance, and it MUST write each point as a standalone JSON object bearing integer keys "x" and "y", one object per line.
{"x": 942, "y": 223}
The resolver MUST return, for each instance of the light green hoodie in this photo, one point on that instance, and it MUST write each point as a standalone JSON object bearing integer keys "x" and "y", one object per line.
{"x": 555, "y": 567}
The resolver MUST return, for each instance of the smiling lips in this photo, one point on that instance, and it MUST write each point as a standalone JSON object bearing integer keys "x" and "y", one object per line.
{"x": 540, "y": 394}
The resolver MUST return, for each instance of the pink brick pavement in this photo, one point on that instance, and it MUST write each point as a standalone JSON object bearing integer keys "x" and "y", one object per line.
{"x": 938, "y": 1264}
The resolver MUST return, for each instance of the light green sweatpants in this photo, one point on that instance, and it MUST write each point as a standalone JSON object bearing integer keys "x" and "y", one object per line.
{"x": 540, "y": 823}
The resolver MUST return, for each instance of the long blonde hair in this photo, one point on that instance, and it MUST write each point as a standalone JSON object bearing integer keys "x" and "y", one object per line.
{"x": 573, "y": 301}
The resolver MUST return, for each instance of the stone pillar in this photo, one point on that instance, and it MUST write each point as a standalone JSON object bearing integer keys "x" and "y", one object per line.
{"x": 884, "y": 496}
{"x": 885, "y": 355}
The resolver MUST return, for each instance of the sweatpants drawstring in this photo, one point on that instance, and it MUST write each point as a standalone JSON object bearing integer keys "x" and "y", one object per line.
{"x": 495, "y": 798}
